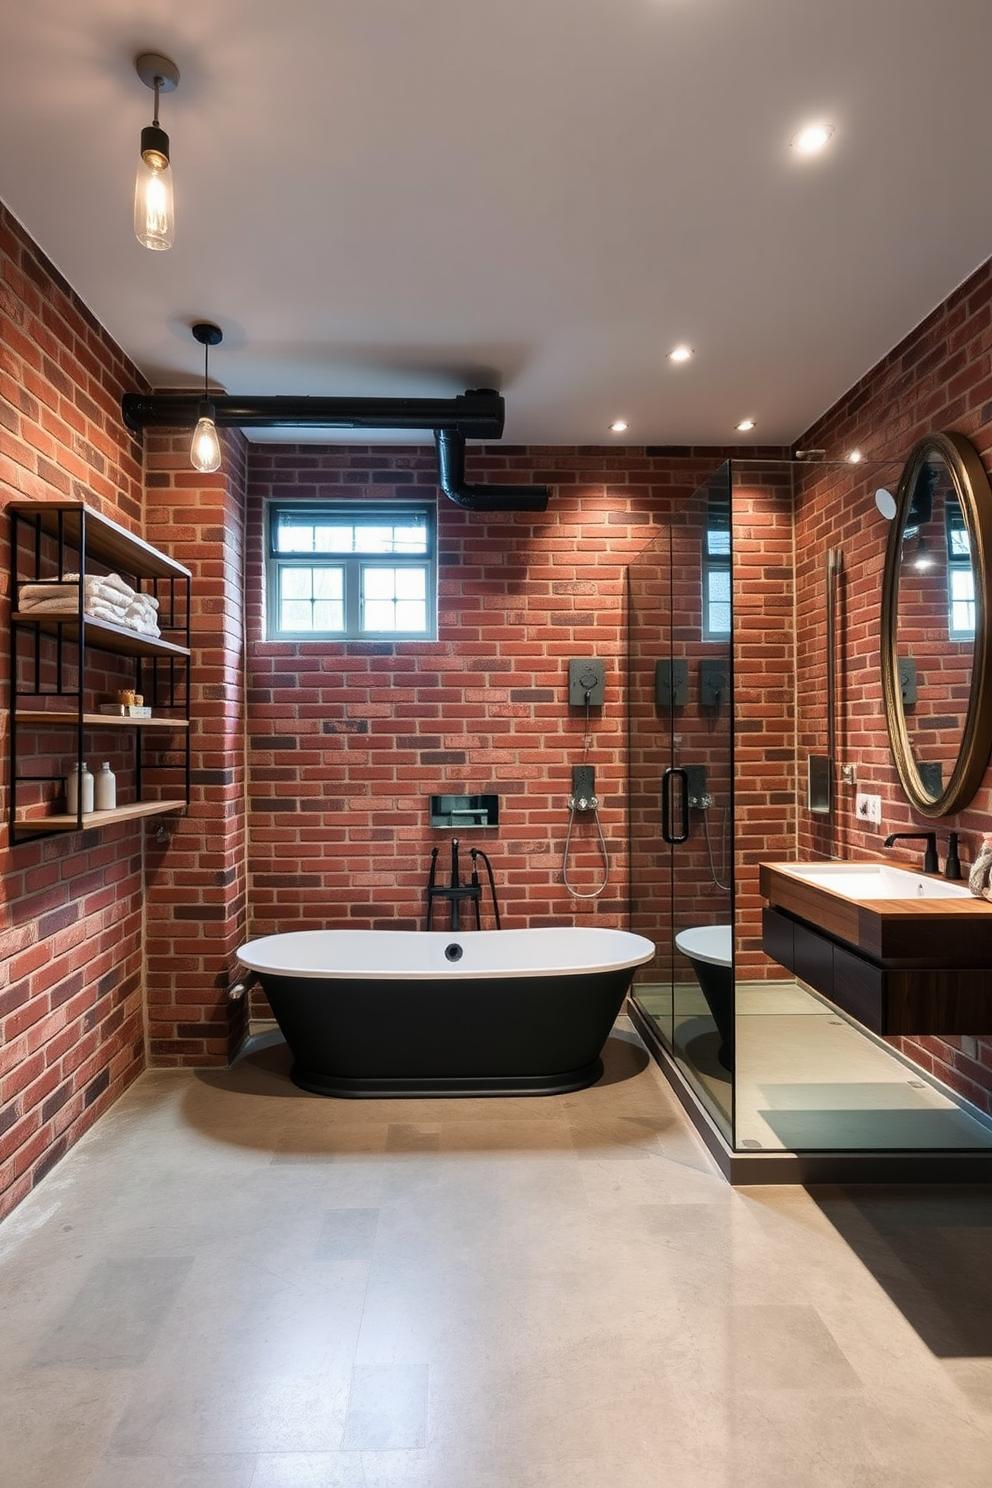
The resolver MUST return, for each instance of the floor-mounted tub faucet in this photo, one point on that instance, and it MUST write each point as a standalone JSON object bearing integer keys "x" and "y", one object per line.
{"x": 456, "y": 891}
{"x": 930, "y": 861}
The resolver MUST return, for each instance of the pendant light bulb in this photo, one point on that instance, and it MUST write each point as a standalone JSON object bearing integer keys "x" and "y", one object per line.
{"x": 154, "y": 210}
{"x": 204, "y": 451}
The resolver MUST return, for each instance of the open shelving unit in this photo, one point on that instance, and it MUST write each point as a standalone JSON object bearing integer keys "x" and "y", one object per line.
{"x": 61, "y": 662}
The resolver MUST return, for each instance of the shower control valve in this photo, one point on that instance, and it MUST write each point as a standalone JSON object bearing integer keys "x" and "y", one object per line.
{"x": 583, "y": 803}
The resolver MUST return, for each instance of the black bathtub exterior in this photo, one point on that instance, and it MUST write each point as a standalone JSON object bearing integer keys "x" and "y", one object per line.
{"x": 540, "y": 1034}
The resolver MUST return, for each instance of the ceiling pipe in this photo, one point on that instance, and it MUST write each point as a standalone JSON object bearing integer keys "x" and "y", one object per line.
{"x": 450, "y": 446}
{"x": 475, "y": 414}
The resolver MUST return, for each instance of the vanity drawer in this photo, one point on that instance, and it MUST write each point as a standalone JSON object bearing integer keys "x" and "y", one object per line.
{"x": 859, "y": 989}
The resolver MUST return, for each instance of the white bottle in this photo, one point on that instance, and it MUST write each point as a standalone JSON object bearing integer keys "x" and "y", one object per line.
{"x": 72, "y": 791}
{"x": 78, "y": 776}
{"x": 105, "y": 788}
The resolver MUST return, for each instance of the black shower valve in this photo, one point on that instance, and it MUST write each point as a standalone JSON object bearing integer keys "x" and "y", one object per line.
{"x": 586, "y": 683}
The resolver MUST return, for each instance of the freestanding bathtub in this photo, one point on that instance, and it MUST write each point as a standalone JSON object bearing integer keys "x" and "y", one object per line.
{"x": 412, "y": 1012}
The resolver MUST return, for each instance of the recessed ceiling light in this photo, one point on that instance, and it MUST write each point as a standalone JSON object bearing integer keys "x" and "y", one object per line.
{"x": 811, "y": 138}
{"x": 619, "y": 426}
{"x": 854, "y": 458}
{"x": 680, "y": 354}
{"x": 745, "y": 426}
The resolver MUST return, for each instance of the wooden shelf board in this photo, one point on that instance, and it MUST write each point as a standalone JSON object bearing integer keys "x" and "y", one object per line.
{"x": 67, "y": 719}
{"x": 65, "y": 823}
{"x": 102, "y": 634}
{"x": 105, "y": 540}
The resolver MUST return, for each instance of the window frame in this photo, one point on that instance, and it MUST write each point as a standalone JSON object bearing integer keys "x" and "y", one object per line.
{"x": 352, "y": 565}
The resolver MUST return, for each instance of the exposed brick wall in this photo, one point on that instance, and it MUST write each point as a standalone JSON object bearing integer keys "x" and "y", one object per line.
{"x": 348, "y": 741}
{"x": 938, "y": 378}
{"x": 195, "y": 897}
{"x": 71, "y": 1027}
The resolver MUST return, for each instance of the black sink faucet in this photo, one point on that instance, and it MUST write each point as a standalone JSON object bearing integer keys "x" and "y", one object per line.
{"x": 930, "y": 863}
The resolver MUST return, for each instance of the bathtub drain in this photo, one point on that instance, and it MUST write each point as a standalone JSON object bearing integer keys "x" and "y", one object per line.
{"x": 453, "y": 952}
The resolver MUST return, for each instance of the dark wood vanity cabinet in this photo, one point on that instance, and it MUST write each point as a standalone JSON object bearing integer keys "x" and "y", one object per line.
{"x": 908, "y": 998}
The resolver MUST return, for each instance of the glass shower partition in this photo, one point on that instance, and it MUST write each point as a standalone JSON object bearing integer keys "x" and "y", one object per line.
{"x": 681, "y": 794}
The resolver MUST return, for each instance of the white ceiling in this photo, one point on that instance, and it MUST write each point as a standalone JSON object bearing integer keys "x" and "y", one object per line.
{"x": 412, "y": 197}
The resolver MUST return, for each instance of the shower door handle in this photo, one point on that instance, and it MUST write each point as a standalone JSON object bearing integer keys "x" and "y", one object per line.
{"x": 668, "y": 801}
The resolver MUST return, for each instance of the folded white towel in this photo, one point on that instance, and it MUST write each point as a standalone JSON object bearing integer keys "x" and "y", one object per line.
{"x": 62, "y": 604}
{"x": 28, "y": 594}
{"x": 108, "y": 593}
{"x": 100, "y": 610}
{"x": 109, "y": 581}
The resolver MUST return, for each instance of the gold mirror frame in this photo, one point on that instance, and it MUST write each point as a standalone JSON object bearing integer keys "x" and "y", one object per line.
{"x": 975, "y": 496}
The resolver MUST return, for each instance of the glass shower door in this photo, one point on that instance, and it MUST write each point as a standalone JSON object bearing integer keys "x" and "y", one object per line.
{"x": 681, "y": 809}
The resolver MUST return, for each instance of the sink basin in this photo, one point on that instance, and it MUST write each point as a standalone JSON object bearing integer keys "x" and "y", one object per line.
{"x": 865, "y": 881}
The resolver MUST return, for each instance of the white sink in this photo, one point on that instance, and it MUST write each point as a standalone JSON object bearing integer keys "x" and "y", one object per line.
{"x": 861, "y": 881}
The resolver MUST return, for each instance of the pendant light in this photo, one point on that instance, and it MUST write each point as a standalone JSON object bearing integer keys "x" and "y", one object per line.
{"x": 205, "y": 449}
{"x": 154, "y": 216}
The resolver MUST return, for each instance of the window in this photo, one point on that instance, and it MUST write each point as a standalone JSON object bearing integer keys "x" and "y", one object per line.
{"x": 716, "y": 571}
{"x": 336, "y": 569}
{"x": 960, "y": 576}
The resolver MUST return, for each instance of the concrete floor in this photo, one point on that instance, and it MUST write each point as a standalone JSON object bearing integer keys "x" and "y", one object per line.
{"x": 232, "y": 1284}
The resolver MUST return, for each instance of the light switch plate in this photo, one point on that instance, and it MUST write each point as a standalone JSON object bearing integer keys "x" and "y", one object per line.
{"x": 868, "y": 808}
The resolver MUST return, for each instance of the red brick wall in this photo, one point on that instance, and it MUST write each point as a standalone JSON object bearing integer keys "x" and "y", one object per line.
{"x": 195, "y": 896}
{"x": 939, "y": 378}
{"x": 71, "y": 1028}
{"x": 348, "y": 741}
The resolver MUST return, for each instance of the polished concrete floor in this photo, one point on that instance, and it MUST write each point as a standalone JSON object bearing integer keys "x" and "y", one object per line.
{"x": 232, "y": 1284}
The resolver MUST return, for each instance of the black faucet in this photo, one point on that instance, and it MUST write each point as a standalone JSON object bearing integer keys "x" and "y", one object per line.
{"x": 457, "y": 891}
{"x": 930, "y": 862}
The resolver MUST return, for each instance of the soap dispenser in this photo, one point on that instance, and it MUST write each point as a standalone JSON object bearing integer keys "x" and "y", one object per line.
{"x": 105, "y": 789}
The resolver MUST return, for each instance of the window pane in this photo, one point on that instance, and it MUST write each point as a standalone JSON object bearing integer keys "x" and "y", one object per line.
{"x": 394, "y": 599}
{"x": 962, "y": 603}
{"x": 719, "y": 619}
{"x": 328, "y": 583}
{"x": 319, "y": 532}
{"x": 296, "y": 614}
{"x": 718, "y": 585}
{"x": 311, "y": 598}
{"x": 328, "y": 614}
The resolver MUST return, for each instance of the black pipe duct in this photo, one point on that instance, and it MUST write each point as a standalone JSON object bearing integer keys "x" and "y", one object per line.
{"x": 450, "y": 445}
{"x": 475, "y": 414}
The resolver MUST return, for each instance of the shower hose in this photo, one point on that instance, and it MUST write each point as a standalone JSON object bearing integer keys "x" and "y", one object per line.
{"x": 576, "y": 893}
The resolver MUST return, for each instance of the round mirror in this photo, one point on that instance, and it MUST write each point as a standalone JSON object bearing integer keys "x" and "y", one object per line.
{"x": 935, "y": 620}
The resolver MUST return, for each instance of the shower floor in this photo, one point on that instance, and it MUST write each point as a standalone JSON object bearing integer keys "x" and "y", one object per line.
{"x": 807, "y": 1078}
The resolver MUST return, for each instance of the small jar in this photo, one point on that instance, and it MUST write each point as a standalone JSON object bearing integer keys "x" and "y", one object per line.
{"x": 105, "y": 788}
